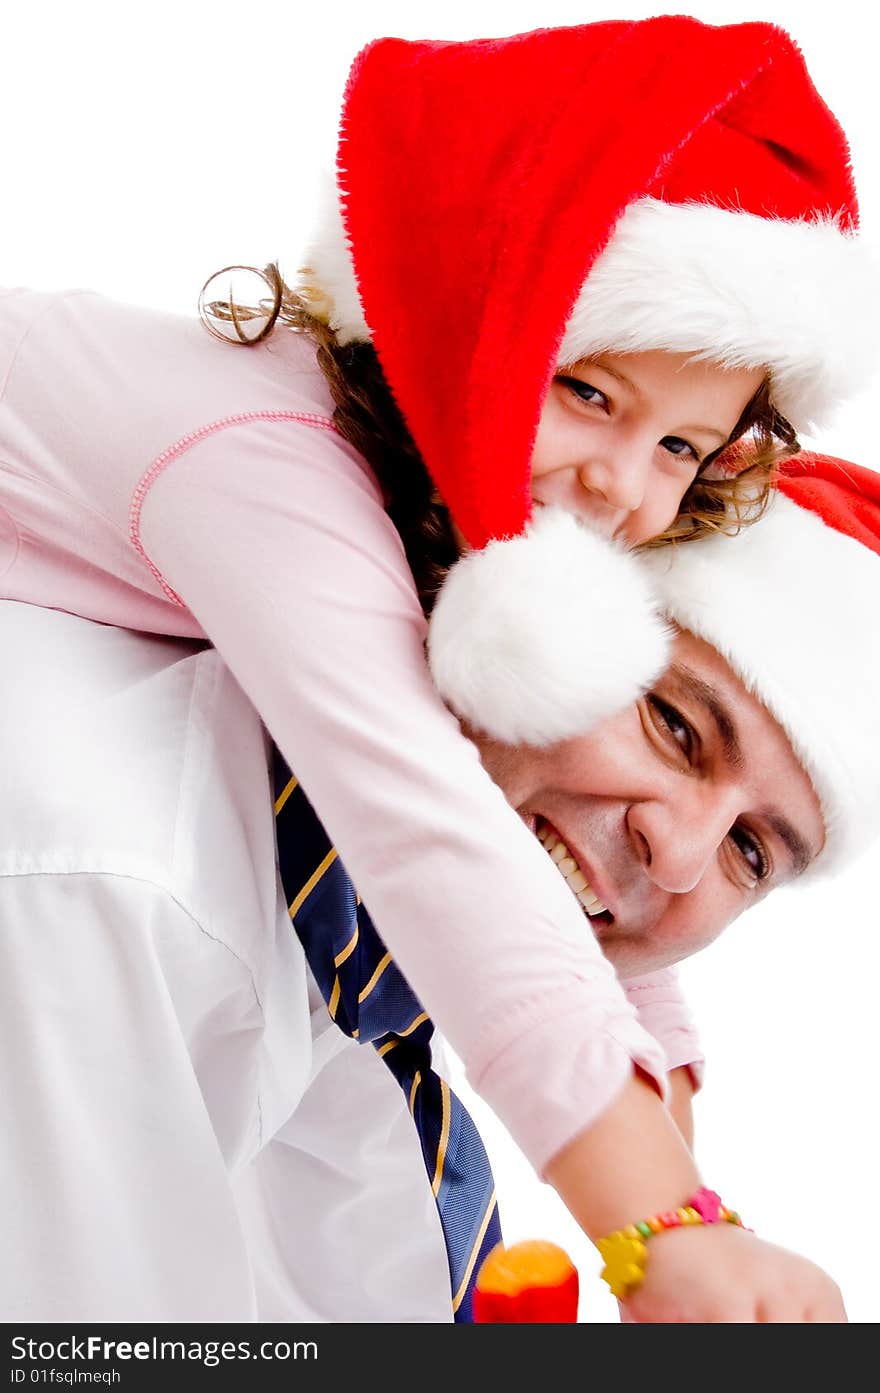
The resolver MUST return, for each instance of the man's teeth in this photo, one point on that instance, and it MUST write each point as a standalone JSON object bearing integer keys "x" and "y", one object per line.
{"x": 571, "y": 872}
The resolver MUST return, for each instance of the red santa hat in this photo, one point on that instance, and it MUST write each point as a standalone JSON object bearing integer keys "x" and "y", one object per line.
{"x": 791, "y": 605}
{"x": 510, "y": 205}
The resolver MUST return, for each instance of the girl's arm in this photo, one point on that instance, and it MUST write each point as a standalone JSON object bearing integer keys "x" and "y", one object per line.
{"x": 164, "y": 479}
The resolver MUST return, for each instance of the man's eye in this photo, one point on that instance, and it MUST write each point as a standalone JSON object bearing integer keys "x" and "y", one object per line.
{"x": 750, "y": 849}
{"x": 585, "y": 391}
{"x": 683, "y": 448}
{"x": 674, "y": 725}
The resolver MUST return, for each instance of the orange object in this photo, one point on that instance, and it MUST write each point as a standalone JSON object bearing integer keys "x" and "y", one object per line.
{"x": 528, "y": 1283}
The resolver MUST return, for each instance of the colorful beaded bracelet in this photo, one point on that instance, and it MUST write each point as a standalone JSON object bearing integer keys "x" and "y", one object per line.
{"x": 625, "y": 1253}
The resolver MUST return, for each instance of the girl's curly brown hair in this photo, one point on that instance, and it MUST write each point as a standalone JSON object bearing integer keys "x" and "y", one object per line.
{"x": 367, "y": 415}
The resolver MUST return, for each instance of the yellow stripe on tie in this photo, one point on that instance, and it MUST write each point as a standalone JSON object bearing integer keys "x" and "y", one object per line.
{"x": 412, "y": 1093}
{"x": 312, "y": 882}
{"x": 383, "y": 1049}
{"x": 333, "y": 1001}
{"x": 348, "y": 949}
{"x": 413, "y": 1025}
{"x": 444, "y": 1137}
{"x": 365, "y": 991}
{"x": 285, "y": 794}
{"x": 459, "y": 1295}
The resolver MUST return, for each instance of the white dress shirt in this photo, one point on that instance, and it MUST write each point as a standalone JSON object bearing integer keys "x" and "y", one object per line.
{"x": 187, "y": 1136}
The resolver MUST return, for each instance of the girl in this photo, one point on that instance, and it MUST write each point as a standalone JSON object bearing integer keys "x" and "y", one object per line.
{"x": 543, "y": 303}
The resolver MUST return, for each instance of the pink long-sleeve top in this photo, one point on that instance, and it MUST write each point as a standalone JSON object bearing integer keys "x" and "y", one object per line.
{"x": 154, "y": 478}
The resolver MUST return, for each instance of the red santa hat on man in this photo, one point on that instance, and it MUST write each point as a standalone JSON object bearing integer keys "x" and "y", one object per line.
{"x": 788, "y": 603}
{"x": 512, "y": 205}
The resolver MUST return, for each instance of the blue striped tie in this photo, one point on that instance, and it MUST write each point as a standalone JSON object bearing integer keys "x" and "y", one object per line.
{"x": 370, "y": 1000}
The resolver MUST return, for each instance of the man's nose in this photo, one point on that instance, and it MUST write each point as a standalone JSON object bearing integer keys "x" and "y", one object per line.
{"x": 676, "y": 841}
{"x": 619, "y": 474}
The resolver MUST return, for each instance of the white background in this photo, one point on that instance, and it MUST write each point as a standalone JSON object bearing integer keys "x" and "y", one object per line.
{"x": 147, "y": 145}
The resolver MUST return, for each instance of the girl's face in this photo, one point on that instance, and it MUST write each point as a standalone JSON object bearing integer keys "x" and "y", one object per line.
{"x": 622, "y": 436}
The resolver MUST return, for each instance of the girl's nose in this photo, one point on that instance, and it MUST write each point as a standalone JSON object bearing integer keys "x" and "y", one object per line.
{"x": 619, "y": 476}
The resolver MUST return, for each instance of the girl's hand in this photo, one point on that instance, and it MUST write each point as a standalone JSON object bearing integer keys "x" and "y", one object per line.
{"x": 720, "y": 1274}
{"x": 633, "y": 1162}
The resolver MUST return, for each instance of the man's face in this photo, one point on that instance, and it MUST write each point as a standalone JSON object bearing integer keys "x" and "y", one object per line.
{"x": 675, "y": 815}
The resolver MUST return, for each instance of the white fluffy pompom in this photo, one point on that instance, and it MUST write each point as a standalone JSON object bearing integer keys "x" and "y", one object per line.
{"x": 536, "y": 639}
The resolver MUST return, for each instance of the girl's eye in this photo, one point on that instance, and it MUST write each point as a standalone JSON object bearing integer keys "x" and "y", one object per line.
{"x": 676, "y": 446}
{"x": 674, "y": 726}
{"x": 751, "y": 852}
{"x": 585, "y": 391}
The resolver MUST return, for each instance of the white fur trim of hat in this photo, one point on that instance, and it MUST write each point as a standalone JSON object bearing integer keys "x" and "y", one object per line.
{"x": 799, "y": 298}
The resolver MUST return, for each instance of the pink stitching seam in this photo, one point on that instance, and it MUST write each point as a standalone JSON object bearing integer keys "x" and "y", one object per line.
{"x": 179, "y": 448}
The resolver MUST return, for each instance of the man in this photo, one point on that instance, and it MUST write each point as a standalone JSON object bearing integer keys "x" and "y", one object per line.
{"x": 642, "y": 801}
{"x": 170, "y": 1066}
